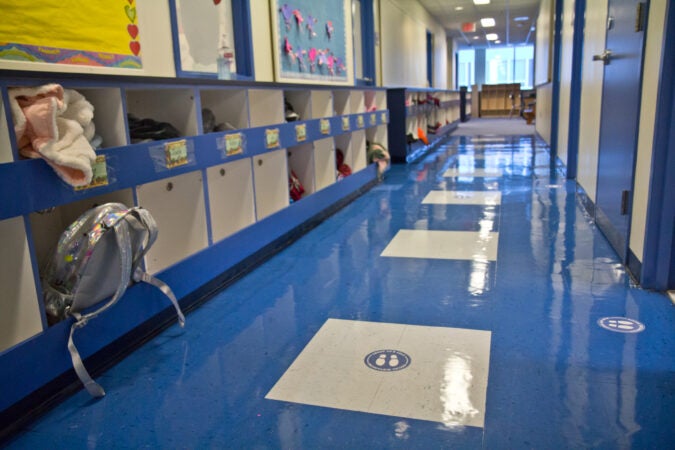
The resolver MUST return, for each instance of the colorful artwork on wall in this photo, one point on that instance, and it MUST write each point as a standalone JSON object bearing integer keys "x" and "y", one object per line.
{"x": 313, "y": 41}
{"x": 101, "y": 33}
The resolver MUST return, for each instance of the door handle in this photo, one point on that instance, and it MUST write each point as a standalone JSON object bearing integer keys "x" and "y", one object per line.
{"x": 605, "y": 57}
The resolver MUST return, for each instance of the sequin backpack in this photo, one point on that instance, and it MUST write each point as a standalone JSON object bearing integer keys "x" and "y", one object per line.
{"x": 96, "y": 259}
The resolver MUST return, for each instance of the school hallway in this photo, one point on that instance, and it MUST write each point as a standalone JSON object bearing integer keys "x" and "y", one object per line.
{"x": 467, "y": 301}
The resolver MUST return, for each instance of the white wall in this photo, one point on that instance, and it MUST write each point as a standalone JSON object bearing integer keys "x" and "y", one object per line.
{"x": 544, "y": 109}
{"x": 650, "y": 83}
{"x": 154, "y": 23}
{"x": 261, "y": 31}
{"x": 403, "y": 44}
{"x": 565, "y": 79}
{"x": 592, "y": 74}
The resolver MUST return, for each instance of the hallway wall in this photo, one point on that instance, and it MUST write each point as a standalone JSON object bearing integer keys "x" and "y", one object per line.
{"x": 650, "y": 83}
{"x": 591, "y": 96}
{"x": 565, "y": 79}
{"x": 544, "y": 109}
{"x": 403, "y": 41}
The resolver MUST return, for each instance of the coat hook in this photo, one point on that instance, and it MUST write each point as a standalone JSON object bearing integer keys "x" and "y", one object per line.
{"x": 169, "y": 186}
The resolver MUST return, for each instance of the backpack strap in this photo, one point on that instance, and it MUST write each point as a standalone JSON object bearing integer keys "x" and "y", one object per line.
{"x": 122, "y": 235}
{"x": 139, "y": 274}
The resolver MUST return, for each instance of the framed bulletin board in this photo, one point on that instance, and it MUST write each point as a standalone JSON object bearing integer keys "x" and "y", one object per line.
{"x": 202, "y": 30}
{"x": 312, "y": 41}
{"x": 102, "y": 33}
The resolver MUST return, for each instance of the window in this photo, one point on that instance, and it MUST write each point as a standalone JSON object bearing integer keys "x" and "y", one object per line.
{"x": 466, "y": 72}
{"x": 496, "y": 65}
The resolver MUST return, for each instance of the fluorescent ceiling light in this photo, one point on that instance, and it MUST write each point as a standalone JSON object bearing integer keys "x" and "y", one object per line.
{"x": 487, "y": 22}
{"x": 481, "y": 2}
{"x": 498, "y": 41}
{"x": 520, "y": 19}
{"x": 476, "y": 37}
{"x": 491, "y": 36}
{"x": 459, "y": 8}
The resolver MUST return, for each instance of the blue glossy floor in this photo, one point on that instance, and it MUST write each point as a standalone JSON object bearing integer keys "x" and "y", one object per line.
{"x": 458, "y": 304}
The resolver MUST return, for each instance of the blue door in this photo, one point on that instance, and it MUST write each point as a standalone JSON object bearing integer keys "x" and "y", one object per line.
{"x": 619, "y": 122}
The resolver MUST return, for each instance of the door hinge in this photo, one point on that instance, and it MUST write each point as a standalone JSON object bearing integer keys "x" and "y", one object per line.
{"x": 640, "y": 16}
{"x": 625, "y": 196}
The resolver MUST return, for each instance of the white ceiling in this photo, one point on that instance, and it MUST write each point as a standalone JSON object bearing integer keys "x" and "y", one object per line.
{"x": 510, "y": 31}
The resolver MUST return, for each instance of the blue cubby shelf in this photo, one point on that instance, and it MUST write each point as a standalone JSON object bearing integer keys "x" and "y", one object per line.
{"x": 35, "y": 368}
{"x": 36, "y": 187}
{"x": 41, "y": 359}
{"x": 418, "y": 149}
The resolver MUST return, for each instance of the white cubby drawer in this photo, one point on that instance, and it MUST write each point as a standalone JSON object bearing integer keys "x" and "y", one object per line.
{"x": 177, "y": 204}
{"x": 231, "y": 200}
{"x": 270, "y": 175}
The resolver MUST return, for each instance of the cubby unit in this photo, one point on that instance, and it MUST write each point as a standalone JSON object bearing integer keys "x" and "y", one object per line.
{"x": 270, "y": 176}
{"x": 322, "y": 104}
{"x": 266, "y": 107}
{"x": 6, "y": 154}
{"x": 370, "y": 101}
{"x": 215, "y": 213}
{"x": 231, "y": 201}
{"x": 300, "y": 102}
{"x": 357, "y": 101}
{"x": 343, "y": 144}
{"x": 342, "y": 102}
{"x": 109, "y": 117}
{"x": 172, "y": 105}
{"x": 48, "y": 225}
{"x": 324, "y": 163}
{"x": 229, "y": 108}
{"x": 20, "y": 316}
{"x": 177, "y": 204}
{"x": 358, "y": 150}
{"x": 377, "y": 134}
{"x": 301, "y": 162}
{"x": 434, "y": 112}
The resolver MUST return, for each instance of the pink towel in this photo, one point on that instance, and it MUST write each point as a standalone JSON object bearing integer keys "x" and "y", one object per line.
{"x": 55, "y": 124}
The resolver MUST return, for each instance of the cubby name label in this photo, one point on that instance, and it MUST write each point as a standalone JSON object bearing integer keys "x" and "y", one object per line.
{"x": 301, "y": 132}
{"x": 176, "y": 153}
{"x": 324, "y": 126}
{"x": 272, "y": 138}
{"x": 234, "y": 144}
{"x": 345, "y": 124}
{"x": 384, "y": 117}
{"x": 100, "y": 174}
{"x": 360, "y": 122}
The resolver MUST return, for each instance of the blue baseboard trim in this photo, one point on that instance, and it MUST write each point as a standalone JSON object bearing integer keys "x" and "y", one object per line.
{"x": 37, "y": 374}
